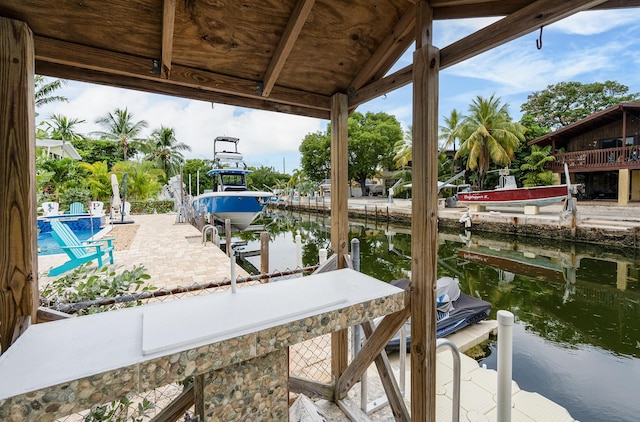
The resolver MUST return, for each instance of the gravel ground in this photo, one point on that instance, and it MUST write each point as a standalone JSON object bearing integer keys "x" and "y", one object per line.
{"x": 123, "y": 235}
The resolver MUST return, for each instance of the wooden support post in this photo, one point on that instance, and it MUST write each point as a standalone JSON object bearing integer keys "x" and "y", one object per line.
{"x": 264, "y": 252}
{"x": 198, "y": 396}
{"x": 424, "y": 215}
{"x": 339, "y": 215}
{"x": 227, "y": 235}
{"x": 18, "y": 235}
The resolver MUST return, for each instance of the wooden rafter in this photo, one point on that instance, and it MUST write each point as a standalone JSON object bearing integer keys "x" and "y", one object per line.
{"x": 168, "y": 24}
{"x": 197, "y": 93}
{"x": 388, "y": 52}
{"x": 292, "y": 31}
{"x": 382, "y": 86}
{"x": 121, "y": 66}
{"x": 528, "y": 19}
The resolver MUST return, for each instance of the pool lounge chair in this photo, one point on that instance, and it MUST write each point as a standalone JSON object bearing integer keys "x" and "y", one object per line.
{"x": 79, "y": 252}
{"x": 76, "y": 208}
{"x": 50, "y": 208}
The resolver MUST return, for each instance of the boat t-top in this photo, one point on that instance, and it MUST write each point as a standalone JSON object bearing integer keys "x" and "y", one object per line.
{"x": 230, "y": 198}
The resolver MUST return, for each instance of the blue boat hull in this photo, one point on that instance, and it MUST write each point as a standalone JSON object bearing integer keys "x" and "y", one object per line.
{"x": 239, "y": 207}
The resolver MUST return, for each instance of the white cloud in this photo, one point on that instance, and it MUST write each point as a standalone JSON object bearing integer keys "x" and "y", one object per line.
{"x": 518, "y": 67}
{"x": 596, "y": 22}
{"x": 446, "y": 32}
{"x": 196, "y": 123}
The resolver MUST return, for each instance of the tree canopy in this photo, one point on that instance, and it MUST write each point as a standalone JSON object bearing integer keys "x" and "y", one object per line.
{"x": 372, "y": 137}
{"x": 316, "y": 155}
{"x": 567, "y": 102}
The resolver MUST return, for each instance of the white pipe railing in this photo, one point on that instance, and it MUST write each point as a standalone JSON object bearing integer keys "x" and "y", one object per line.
{"x": 443, "y": 342}
{"x": 505, "y": 357}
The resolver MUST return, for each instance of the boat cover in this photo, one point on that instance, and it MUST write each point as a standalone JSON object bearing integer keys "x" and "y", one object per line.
{"x": 452, "y": 315}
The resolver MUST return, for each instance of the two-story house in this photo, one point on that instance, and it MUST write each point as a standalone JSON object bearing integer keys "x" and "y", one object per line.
{"x": 602, "y": 151}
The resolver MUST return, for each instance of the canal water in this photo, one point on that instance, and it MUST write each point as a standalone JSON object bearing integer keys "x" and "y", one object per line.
{"x": 577, "y": 307}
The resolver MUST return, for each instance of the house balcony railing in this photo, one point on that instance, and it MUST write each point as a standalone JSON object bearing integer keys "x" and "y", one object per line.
{"x": 598, "y": 160}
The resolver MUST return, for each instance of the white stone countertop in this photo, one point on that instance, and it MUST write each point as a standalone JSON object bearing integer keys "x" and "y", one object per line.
{"x": 61, "y": 351}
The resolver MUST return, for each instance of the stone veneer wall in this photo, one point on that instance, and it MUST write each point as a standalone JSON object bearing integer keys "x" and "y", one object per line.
{"x": 50, "y": 403}
{"x": 252, "y": 390}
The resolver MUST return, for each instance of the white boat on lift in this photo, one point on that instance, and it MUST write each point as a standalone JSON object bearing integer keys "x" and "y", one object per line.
{"x": 230, "y": 198}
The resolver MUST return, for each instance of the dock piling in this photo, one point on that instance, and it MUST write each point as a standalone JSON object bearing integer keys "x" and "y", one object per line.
{"x": 505, "y": 356}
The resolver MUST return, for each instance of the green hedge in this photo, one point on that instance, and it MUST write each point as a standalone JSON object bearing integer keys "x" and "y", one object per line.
{"x": 151, "y": 206}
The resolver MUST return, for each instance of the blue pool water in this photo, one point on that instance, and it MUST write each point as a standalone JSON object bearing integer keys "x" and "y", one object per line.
{"x": 77, "y": 222}
{"x": 47, "y": 245}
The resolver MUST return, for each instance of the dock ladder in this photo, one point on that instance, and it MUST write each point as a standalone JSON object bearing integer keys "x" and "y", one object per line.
{"x": 215, "y": 237}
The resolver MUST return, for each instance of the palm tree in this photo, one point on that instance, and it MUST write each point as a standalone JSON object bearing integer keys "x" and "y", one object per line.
{"x": 450, "y": 133}
{"x": 534, "y": 166}
{"x": 142, "y": 178}
{"x": 98, "y": 180}
{"x": 298, "y": 177}
{"x": 489, "y": 135}
{"x": 44, "y": 91}
{"x": 119, "y": 127}
{"x": 64, "y": 128}
{"x": 403, "y": 150}
{"x": 164, "y": 149}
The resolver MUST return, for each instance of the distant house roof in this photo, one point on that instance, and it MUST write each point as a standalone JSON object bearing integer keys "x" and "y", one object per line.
{"x": 591, "y": 122}
{"x": 54, "y": 146}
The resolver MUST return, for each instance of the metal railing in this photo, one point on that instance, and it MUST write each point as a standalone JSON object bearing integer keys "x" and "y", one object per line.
{"x": 443, "y": 342}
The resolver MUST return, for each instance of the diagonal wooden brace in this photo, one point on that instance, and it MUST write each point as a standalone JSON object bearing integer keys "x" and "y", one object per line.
{"x": 371, "y": 349}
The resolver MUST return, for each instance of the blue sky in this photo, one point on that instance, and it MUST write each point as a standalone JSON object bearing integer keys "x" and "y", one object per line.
{"x": 588, "y": 47}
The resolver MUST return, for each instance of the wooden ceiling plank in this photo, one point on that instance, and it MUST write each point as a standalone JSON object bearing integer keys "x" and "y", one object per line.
{"x": 521, "y": 22}
{"x": 57, "y": 70}
{"x": 168, "y": 27}
{"x": 212, "y": 81}
{"x": 79, "y": 56}
{"x": 389, "y": 50}
{"x": 449, "y": 3}
{"x": 298, "y": 17}
{"x": 446, "y": 10}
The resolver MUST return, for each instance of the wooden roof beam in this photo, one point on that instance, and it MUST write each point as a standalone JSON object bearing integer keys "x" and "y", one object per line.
{"x": 118, "y": 64}
{"x": 292, "y": 31}
{"x": 150, "y": 85}
{"x": 541, "y": 13}
{"x": 168, "y": 25}
{"x": 389, "y": 50}
{"x": 382, "y": 86}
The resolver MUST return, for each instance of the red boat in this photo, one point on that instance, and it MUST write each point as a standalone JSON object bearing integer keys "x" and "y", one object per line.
{"x": 507, "y": 193}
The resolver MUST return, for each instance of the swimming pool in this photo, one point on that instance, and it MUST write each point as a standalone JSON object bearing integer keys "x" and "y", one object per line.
{"x": 77, "y": 222}
{"x": 47, "y": 245}
{"x": 83, "y": 225}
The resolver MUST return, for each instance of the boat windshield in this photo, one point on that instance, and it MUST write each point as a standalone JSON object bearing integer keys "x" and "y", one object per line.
{"x": 236, "y": 180}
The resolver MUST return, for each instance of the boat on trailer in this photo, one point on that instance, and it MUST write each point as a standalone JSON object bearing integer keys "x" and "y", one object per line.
{"x": 230, "y": 198}
{"x": 507, "y": 193}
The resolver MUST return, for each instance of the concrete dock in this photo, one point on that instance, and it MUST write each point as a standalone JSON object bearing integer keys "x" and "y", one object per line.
{"x": 596, "y": 222}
